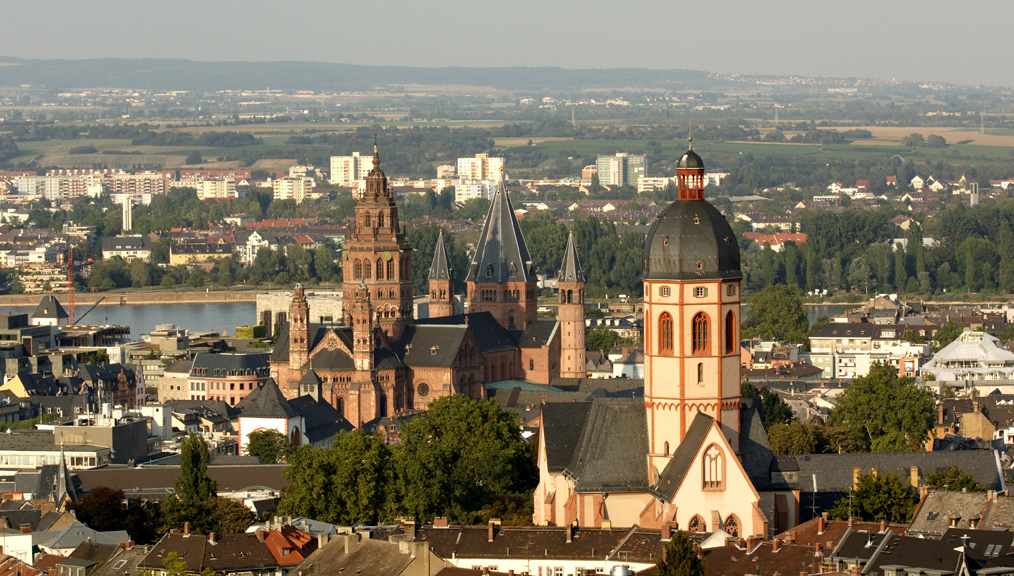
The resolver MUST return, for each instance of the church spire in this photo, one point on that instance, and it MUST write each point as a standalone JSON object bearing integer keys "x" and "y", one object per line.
{"x": 570, "y": 270}
{"x": 440, "y": 270}
{"x": 502, "y": 255}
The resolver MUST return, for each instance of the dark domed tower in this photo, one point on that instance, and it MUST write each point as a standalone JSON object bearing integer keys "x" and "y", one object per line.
{"x": 691, "y": 316}
{"x": 441, "y": 282}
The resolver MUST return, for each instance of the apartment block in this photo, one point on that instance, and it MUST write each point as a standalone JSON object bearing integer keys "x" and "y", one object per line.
{"x": 465, "y": 190}
{"x": 621, "y": 169}
{"x": 482, "y": 167}
{"x": 297, "y": 189}
{"x": 346, "y": 170}
{"x": 224, "y": 188}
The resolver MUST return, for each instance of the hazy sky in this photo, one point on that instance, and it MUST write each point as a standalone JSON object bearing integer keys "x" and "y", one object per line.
{"x": 931, "y": 40}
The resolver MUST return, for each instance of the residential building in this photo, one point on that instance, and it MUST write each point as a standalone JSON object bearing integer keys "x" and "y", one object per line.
{"x": 296, "y": 189}
{"x": 174, "y": 383}
{"x": 49, "y": 312}
{"x": 127, "y": 247}
{"x": 226, "y": 377}
{"x": 347, "y": 170}
{"x": 305, "y": 420}
{"x": 621, "y": 169}
{"x": 482, "y": 167}
{"x": 651, "y": 184}
{"x": 216, "y": 189}
{"x": 187, "y": 254}
{"x": 465, "y": 190}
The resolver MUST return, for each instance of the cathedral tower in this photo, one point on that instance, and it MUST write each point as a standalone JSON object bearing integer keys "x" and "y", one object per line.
{"x": 441, "y": 282}
{"x": 299, "y": 328}
{"x": 691, "y": 316}
{"x": 362, "y": 330}
{"x": 501, "y": 278}
{"x": 571, "y": 314}
{"x": 379, "y": 256}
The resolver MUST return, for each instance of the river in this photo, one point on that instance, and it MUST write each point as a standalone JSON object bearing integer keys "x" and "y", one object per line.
{"x": 142, "y": 318}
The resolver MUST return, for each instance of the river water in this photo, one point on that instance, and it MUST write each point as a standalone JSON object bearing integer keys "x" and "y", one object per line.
{"x": 142, "y": 318}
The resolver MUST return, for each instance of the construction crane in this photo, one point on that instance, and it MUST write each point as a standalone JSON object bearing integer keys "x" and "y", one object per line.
{"x": 92, "y": 308}
{"x": 70, "y": 285}
{"x": 982, "y": 119}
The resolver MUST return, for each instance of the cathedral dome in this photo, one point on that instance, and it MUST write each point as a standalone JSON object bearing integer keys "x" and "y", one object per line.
{"x": 691, "y": 240}
{"x": 690, "y": 160}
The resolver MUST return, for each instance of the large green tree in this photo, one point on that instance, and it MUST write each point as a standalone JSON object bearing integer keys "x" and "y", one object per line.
{"x": 353, "y": 481}
{"x": 890, "y": 412}
{"x": 777, "y": 313}
{"x": 954, "y": 479}
{"x": 106, "y": 509}
{"x": 270, "y": 446}
{"x": 878, "y": 497}
{"x": 458, "y": 455}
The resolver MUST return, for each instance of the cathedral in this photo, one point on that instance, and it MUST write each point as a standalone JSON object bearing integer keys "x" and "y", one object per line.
{"x": 379, "y": 361}
{"x": 690, "y": 454}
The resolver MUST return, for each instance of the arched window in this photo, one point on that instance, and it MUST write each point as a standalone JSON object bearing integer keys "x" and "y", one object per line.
{"x": 357, "y": 269}
{"x": 380, "y": 220}
{"x": 382, "y": 405}
{"x": 367, "y": 269}
{"x": 390, "y": 270}
{"x": 700, "y": 333}
{"x": 511, "y": 321}
{"x": 713, "y": 468}
{"x": 531, "y": 364}
{"x": 380, "y": 269}
{"x": 666, "y": 447}
{"x": 570, "y": 296}
{"x": 697, "y": 525}
{"x": 732, "y": 526}
{"x": 367, "y": 220}
{"x": 294, "y": 437}
{"x": 665, "y": 333}
{"x": 730, "y": 333}
{"x": 700, "y": 372}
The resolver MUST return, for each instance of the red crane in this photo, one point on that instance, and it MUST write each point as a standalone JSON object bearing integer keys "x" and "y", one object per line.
{"x": 70, "y": 285}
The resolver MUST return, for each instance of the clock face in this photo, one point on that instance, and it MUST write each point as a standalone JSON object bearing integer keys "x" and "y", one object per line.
{"x": 387, "y": 255}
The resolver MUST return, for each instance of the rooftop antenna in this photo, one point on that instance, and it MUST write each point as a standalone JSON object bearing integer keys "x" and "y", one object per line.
{"x": 573, "y": 121}
{"x": 690, "y": 132}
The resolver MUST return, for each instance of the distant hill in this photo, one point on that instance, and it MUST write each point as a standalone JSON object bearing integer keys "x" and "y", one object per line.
{"x": 168, "y": 74}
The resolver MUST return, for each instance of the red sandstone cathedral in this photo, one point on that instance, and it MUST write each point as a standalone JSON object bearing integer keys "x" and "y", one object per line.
{"x": 380, "y": 361}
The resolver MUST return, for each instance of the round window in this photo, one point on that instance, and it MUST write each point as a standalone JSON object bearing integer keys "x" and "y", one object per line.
{"x": 423, "y": 390}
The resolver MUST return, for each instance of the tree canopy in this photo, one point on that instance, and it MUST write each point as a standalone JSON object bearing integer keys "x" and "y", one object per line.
{"x": 878, "y": 497}
{"x": 681, "y": 557}
{"x": 954, "y": 479}
{"x": 777, "y": 313}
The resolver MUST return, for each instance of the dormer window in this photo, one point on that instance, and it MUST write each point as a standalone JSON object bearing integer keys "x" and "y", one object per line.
{"x": 489, "y": 270}
{"x": 512, "y": 270}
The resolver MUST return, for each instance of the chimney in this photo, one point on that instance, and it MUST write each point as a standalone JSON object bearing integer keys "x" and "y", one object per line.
{"x": 260, "y": 535}
{"x": 856, "y": 473}
{"x": 883, "y": 526}
{"x": 850, "y": 521}
{"x": 913, "y": 477}
{"x": 322, "y": 539}
{"x": 816, "y": 547}
{"x": 441, "y": 522}
{"x": 186, "y": 528}
{"x": 752, "y": 542}
{"x": 821, "y": 524}
{"x": 873, "y": 472}
{"x": 489, "y": 533}
{"x": 211, "y": 538}
{"x": 776, "y": 545}
{"x": 666, "y": 532}
{"x": 790, "y": 538}
{"x": 26, "y": 528}
{"x": 409, "y": 527}
{"x": 940, "y": 414}
{"x": 570, "y": 533}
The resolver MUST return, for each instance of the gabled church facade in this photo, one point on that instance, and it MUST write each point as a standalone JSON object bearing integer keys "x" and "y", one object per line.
{"x": 690, "y": 453}
{"x": 379, "y": 361}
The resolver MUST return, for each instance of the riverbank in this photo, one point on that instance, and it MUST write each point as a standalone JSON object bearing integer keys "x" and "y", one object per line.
{"x": 139, "y": 298}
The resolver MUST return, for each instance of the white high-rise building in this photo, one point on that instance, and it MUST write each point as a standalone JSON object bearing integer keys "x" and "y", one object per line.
{"x": 292, "y": 189}
{"x": 465, "y": 190}
{"x": 482, "y": 167}
{"x": 346, "y": 170}
{"x": 221, "y": 188}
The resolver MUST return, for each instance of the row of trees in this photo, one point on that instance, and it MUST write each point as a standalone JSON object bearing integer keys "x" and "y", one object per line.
{"x": 463, "y": 459}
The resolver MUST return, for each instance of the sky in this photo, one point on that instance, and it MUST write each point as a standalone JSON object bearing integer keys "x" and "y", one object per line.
{"x": 925, "y": 40}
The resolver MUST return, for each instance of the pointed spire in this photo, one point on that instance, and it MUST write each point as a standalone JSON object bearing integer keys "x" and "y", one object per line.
{"x": 570, "y": 270}
{"x": 64, "y": 486}
{"x": 440, "y": 270}
{"x": 502, "y": 255}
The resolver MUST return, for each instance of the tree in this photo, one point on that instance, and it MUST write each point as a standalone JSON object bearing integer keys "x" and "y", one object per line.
{"x": 107, "y": 509}
{"x": 773, "y": 408}
{"x": 947, "y": 333}
{"x": 193, "y": 491}
{"x": 353, "y": 481}
{"x": 891, "y": 413}
{"x": 793, "y": 438}
{"x": 878, "y": 497}
{"x": 458, "y": 455}
{"x": 954, "y": 479}
{"x": 175, "y": 566}
{"x": 777, "y": 313}
{"x": 194, "y": 158}
{"x": 681, "y": 557}
{"x": 271, "y": 446}
{"x": 600, "y": 338}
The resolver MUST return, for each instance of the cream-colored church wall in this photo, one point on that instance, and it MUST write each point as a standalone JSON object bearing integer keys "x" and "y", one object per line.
{"x": 624, "y": 509}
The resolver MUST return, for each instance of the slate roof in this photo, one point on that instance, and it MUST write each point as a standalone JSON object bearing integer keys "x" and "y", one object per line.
{"x": 50, "y": 308}
{"x": 688, "y": 232}
{"x": 368, "y": 558}
{"x": 764, "y": 559}
{"x": 126, "y": 243}
{"x": 539, "y": 333}
{"x": 501, "y": 254}
{"x": 834, "y": 471}
{"x": 1000, "y": 515}
{"x": 330, "y": 361}
{"x": 431, "y": 345}
{"x": 846, "y": 330}
{"x": 939, "y": 507}
{"x": 124, "y": 563}
{"x": 73, "y": 535}
{"x": 231, "y": 553}
{"x": 908, "y": 551}
{"x": 672, "y": 475}
{"x": 320, "y": 419}
{"x": 266, "y": 401}
{"x": 570, "y": 269}
{"x": 488, "y": 333}
{"x": 440, "y": 268}
{"x": 280, "y": 353}
{"x": 756, "y": 454}
{"x": 854, "y": 543}
{"x": 611, "y": 452}
{"x": 562, "y": 424}
{"x": 158, "y": 480}
{"x": 231, "y": 362}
